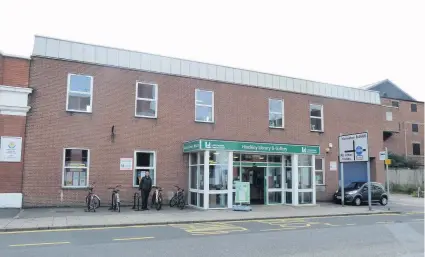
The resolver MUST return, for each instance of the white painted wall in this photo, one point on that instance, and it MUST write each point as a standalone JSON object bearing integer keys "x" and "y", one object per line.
{"x": 11, "y": 200}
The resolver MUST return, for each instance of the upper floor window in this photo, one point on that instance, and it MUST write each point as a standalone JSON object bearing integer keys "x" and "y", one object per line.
{"x": 415, "y": 127}
{"x": 79, "y": 93}
{"x": 416, "y": 149}
{"x": 204, "y": 105}
{"x": 276, "y": 113}
{"x": 413, "y": 107}
{"x": 146, "y": 100}
{"x": 389, "y": 116}
{"x": 395, "y": 104}
{"x": 316, "y": 117}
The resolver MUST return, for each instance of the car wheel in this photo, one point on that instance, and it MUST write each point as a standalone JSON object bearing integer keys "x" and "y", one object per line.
{"x": 357, "y": 201}
{"x": 383, "y": 201}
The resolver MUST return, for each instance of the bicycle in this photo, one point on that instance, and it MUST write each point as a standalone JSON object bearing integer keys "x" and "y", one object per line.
{"x": 178, "y": 198}
{"x": 92, "y": 200}
{"x": 157, "y": 198}
{"x": 136, "y": 201}
{"x": 115, "y": 200}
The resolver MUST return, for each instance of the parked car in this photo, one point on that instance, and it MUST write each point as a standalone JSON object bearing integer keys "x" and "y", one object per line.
{"x": 356, "y": 193}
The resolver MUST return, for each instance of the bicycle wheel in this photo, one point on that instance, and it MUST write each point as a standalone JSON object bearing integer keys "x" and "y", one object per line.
{"x": 92, "y": 204}
{"x": 88, "y": 202}
{"x": 173, "y": 201}
{"x": 181, "y": 203}
{"x": 158, "y": 204}
{"x": 96, "y": 201}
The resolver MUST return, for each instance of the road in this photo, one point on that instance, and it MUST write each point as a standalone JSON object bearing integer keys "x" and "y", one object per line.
{"x": 368, "y": 235}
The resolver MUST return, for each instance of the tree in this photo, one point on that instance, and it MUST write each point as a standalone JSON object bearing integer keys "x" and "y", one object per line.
{"x": 401, "y": 161}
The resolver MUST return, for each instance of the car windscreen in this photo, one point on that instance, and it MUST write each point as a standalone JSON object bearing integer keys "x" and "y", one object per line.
{"x": 354, "y": 185}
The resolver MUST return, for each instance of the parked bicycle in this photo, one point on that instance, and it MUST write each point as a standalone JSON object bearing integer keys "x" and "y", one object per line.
{"x": 136, "y": 200}
{"x": 92, "y": 200}
{"x": 115, "y": 200}
{"x": 156, "y": 198}
{"x": 178, "y": 198}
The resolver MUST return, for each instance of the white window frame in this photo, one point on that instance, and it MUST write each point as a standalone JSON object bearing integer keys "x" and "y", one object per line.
{"x": 389, "y": 116}
{"x": 282, "y": 113}
{"x": 322, "y": 170}
{"x": 322, "y": 118}
{"x": 79, "y": 92}
{"x": 205, "y": 105}
{"x": 67, "y": 167}
{"x": 146, "y": 99}
{"x": 143, "y": 167}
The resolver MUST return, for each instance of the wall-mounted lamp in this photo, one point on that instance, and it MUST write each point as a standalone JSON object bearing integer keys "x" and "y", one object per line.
{"x": 327, "y": 149}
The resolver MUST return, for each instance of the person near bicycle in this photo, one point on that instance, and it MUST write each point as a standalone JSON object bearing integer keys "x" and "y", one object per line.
{"x": 145, "y": 187}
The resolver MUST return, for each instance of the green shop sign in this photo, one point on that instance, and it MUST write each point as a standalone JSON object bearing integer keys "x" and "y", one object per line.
{"x": 239, "y": 146}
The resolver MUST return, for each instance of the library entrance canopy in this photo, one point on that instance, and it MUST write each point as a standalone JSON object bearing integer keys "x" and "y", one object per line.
{"x": 242, "y": 146}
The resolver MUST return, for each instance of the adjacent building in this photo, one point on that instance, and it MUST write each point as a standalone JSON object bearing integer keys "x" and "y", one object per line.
{"x": 106, "y": 115}
{"x": 403, "y": 121}
{"x": 14, "y": 91}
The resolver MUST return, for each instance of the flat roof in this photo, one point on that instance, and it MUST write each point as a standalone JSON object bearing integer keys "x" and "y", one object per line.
{"x": 103, "y": 55}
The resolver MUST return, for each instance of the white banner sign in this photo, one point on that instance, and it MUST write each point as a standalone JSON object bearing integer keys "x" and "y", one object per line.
{"x": 126, "y": 163}
{"x": 382, "y": 156}
{"x": 354, "y": 148}
{"x": 11, "y": 149}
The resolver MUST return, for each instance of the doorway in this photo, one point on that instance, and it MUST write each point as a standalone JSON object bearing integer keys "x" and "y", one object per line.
{"x": 255, "y": 176}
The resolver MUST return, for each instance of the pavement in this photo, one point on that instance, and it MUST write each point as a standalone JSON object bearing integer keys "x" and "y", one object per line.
{"x": 63, "y": 218}
{"x": 384, "y": 234}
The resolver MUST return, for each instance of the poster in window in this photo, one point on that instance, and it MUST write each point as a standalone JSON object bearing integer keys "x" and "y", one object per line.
{"x": 68, "y": 179}
{"x": 75, "y": 178}
{"x": 83, "y": 176}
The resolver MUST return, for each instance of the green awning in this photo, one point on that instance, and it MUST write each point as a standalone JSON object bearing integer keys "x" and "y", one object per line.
{"x": 241, "y": 146}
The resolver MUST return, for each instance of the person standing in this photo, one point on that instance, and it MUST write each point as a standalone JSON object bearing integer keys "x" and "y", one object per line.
{"x": 145, "y": 187}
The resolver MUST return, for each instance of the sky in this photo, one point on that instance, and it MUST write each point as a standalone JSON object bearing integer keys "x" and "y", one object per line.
{"x": 351, "y": 43}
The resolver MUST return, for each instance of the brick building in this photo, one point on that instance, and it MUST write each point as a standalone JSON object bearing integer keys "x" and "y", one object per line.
{"x": 14, "y": 91}
{"x": 106, "y": 115}
{"x": 403, "y": 121}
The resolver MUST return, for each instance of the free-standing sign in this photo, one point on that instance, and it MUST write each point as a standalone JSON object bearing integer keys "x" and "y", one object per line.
{"x": 11, "y": 148}
{"x": 242, "y": 192}
{"x": 354, "y": 148}
{"x": 126, "y": 164}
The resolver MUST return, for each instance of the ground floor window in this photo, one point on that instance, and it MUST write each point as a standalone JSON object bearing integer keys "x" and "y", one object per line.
{"x": 319, "y": 171}
{"x": 144, "y": 161}
{"x": 76, "y": 164}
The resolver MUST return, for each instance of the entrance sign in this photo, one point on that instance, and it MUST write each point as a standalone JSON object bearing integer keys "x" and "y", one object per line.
{"x": 382, "y": 156}
{"x": 126, "y": 163}
{"x": 354, "y": 148}
{"x": 11, "y": 149}
{"x": 239, "y": 146}
{"x": 242, "y": 192}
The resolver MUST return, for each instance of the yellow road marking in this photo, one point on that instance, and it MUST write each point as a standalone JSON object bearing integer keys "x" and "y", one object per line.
{"x": 133, "y": 238}
{"x": 331, "y": 225}
{"x": 76, "y": 229}
{"x": 277, "y": 229}
{"x": 38, "y": 244}
{"x": 209, "y": 228}
{"x": 286, "y": 223}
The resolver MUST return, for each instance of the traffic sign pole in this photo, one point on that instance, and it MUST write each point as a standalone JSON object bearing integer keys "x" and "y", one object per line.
{"x": 342, "y": 184}
{"x": 388, "y": 179}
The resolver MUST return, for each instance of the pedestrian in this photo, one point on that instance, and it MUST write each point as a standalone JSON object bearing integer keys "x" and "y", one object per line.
{"x": 145, "y": 187}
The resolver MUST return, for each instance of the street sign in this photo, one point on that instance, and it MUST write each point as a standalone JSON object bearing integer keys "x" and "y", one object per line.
{"x": 388, "y": 161}
{"x": 382, "y": 156}
{"x": 354, "y": 148}
{"x": 242, "y": 192}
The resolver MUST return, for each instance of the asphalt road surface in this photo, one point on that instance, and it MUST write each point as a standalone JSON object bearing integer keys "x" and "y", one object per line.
{"x": 368, "y": 235}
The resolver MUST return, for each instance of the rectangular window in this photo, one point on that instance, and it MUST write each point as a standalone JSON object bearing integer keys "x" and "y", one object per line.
{"x": 413, "y": 107}
{"x": 395, "y": 104}
{"x": 146, "y": 100}
{"x": 416, "y": 149}
{"x": 76, "y": 164}
{"x": 316, "y": 117}
{"x": 389, "y": 116}
{"x": 144, "y": 161}
{"x": 415, "y": 128}
{"x": 204, "y": 106}
{"x": 320, "y": 171}
{"x": 79, "y": 93}
{"x": 276, "y": 113}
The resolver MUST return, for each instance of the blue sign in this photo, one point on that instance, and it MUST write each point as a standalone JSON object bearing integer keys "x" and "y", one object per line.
{"x": 359, "y": 150}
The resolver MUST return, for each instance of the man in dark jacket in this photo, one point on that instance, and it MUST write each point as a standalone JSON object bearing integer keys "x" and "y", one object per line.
{"x": 145, "y": 187}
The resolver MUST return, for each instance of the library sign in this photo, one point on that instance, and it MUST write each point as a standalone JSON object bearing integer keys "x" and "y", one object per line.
{"x": 240, "y": 146}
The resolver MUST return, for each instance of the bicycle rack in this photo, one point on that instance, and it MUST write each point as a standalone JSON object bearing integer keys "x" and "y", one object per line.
{"x": 136, "y": 201}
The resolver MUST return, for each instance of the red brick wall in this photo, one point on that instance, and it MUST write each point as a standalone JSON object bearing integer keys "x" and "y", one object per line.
{"x": 403, "y": 117}
{"x": 13, "y": 72}
{"x": 241, "y": 113}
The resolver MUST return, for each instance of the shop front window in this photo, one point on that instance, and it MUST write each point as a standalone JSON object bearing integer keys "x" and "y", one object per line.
{"x": 305, "y": 178}
{"x": 274, "y": 177}
{"x": 218, "y": 177}
{"x": 218, "y": 200}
